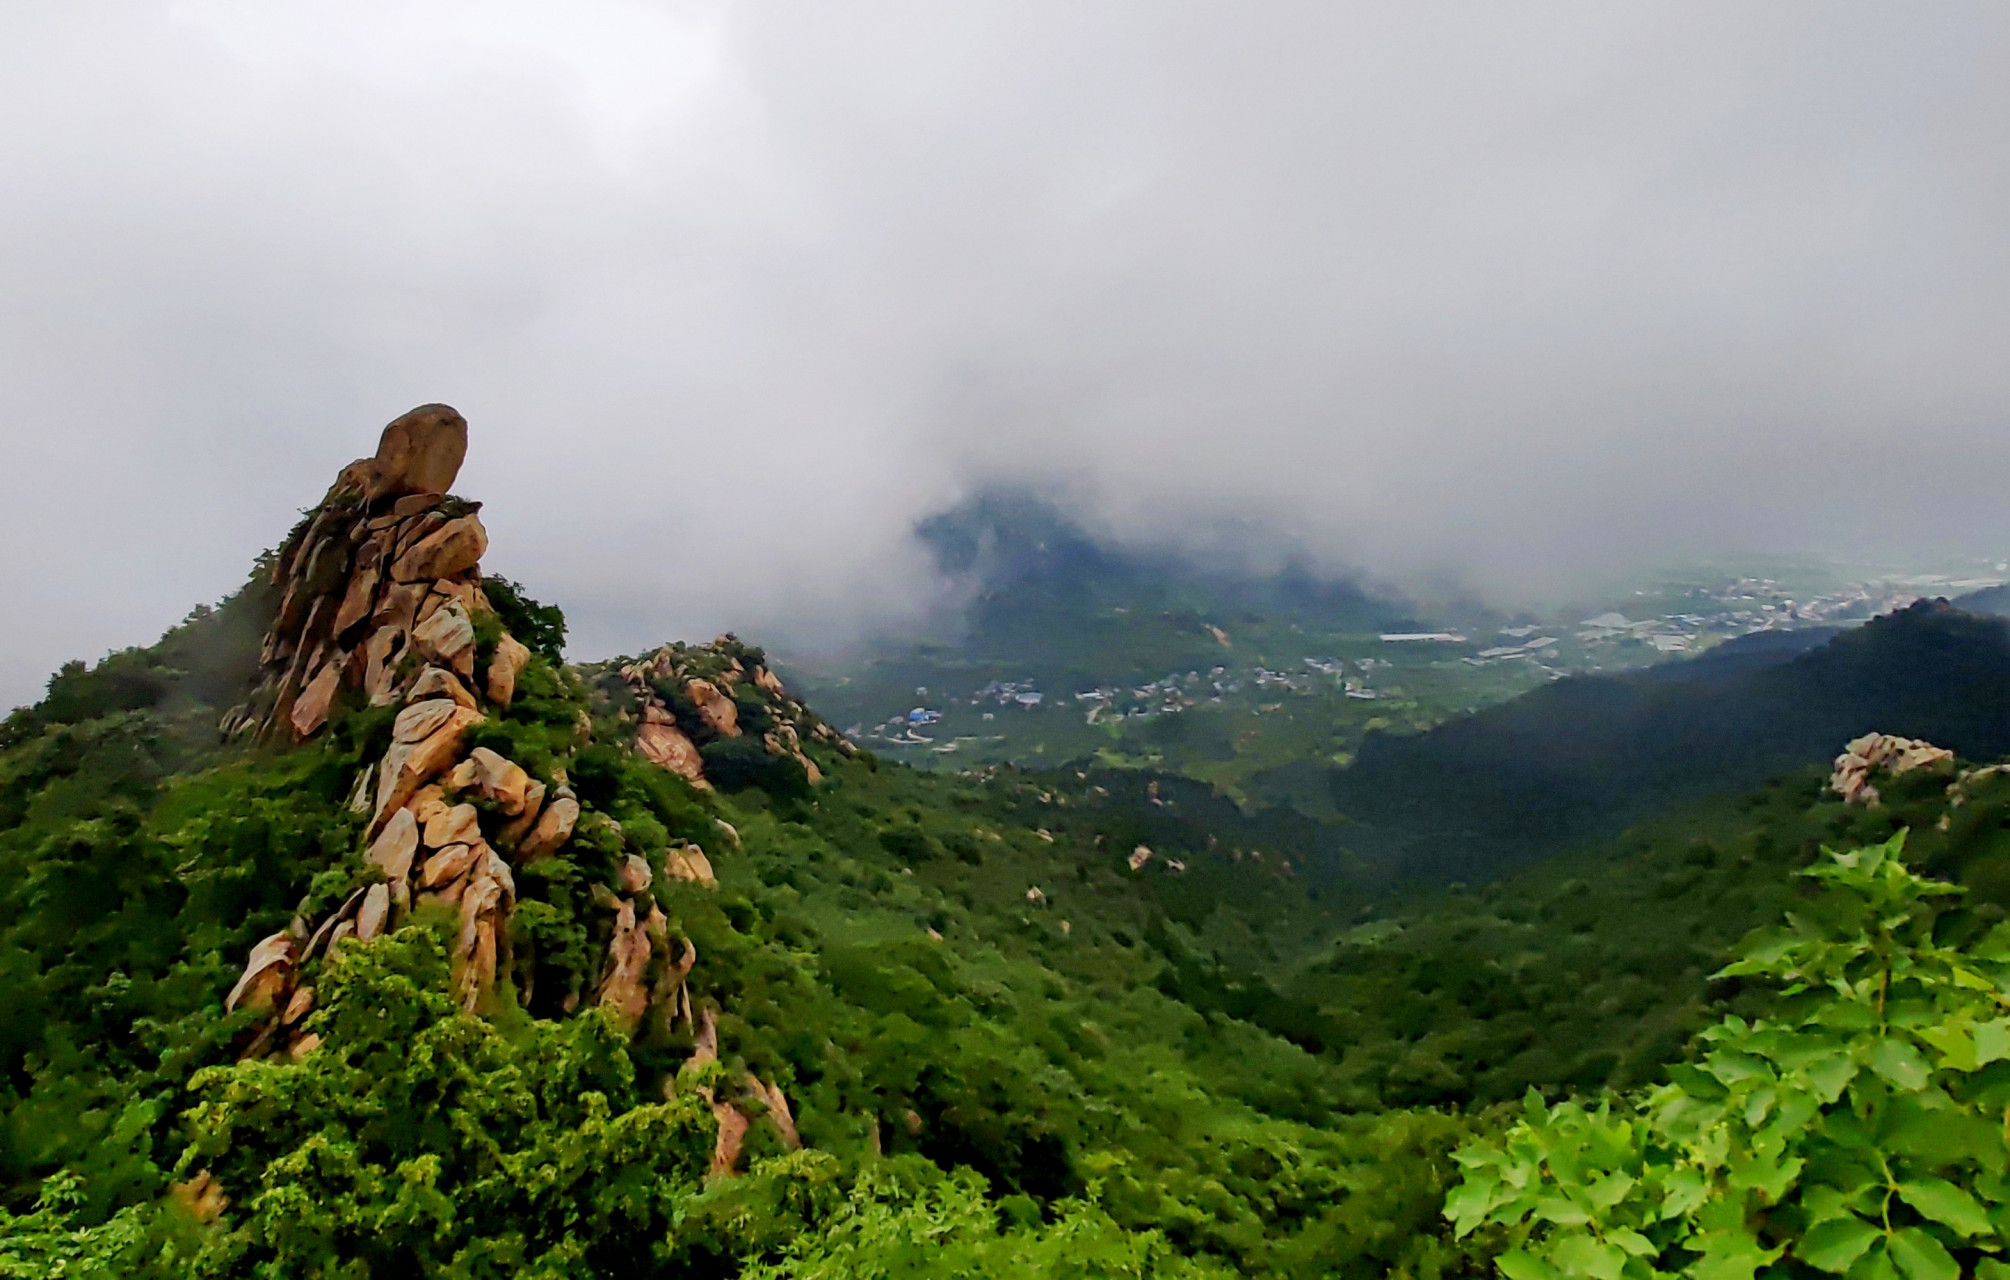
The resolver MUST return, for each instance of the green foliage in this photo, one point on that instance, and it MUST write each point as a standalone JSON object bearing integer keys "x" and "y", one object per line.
{"x": 908, "y": 1220}
{"x": 735, "y": 764}
{"x": 419, "y": 1140}
{"x": 1857, "y": 1131}
{"x": 539, "y": 627}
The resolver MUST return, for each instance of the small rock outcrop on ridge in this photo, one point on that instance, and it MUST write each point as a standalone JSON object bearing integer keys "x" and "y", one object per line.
{"x": 1880, "y": 753}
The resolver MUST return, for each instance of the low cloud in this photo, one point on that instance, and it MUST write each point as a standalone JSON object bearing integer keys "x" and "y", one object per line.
{"x": 732, "y": 294}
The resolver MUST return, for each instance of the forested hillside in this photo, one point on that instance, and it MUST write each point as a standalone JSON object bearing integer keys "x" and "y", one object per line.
{"x": 1579, "y": 759}
{"x": 446, "y": 957}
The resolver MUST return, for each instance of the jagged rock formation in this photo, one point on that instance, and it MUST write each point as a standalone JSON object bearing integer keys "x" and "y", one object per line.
{"x": 1879, "y": 752}
{"x": 687, "y": 695}
{"x": 383, "y": 606}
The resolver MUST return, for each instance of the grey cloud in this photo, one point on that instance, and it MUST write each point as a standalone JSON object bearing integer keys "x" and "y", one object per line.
{"x": 733, "y": 293}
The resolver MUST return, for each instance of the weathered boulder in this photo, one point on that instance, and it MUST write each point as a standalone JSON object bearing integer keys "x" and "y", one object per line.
{"x": 268, "y": 974}
{"x": 493, "y": 777}
{"x": 621, "y": 987}
{"x": 448, "y": 640}
{"x": 665, "y": 746}
{"x": 460, "y": 824}
{"x": 455, "y": 547}
{"x": 714, "y": 708}
{"x": 375, "y": 911}
{"x": 438, "y": 682}
{"x": 448, "y": 865}
{"x": 419, "y": 452}
{"x": 310, "y": 709}
{"x": 396, "y": 846}
{"x": 688, "y": 862}
{"x": 517, "y": 828}
{"x": 510, "y": 659}
{"x": 421, "y": 720}
{"x": 553, "y": 829}
{"x": 407, "y": 766}
{"x": 634, "y": 876}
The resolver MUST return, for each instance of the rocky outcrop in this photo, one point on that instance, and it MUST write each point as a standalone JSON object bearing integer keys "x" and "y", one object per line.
{"x": 691, "y": 695}
{"x": 382, "y": 579}
{"x": 383, "y": 605}
{"x": 1875, "y": 753}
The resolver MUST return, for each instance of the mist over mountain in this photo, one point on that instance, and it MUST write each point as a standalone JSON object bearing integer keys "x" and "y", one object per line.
{"x": 1497, "y": 297}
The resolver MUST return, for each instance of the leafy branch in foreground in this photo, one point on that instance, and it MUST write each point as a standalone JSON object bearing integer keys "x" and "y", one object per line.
{"x": 1861, "y": 1132}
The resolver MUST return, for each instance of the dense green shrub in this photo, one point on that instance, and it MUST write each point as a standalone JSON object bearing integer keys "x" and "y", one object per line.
{"x": 1859, "y": 1130}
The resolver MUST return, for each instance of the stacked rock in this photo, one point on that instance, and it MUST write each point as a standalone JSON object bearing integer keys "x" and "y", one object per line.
{"x": 383, "y": 590}
{"x": 382, "y": 579}
{"x": 383, "y": 601}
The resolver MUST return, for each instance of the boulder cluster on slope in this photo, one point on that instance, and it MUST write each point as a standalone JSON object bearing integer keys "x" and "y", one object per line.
{"x": 1880, "y": 752}
{"x": 383, "y": 604}
{"x": 708, "y": 683}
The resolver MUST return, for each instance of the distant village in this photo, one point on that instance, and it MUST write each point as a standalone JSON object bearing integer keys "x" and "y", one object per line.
{"x": 1611, "y": 640}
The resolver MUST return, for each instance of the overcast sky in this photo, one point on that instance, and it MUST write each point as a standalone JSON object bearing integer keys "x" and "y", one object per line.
{"x": 732, "y": 293}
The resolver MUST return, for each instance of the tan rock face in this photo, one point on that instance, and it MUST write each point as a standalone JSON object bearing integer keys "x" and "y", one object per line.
{"x": 455, "y": 547}
{"x": 494, "y": 778}
{"x": 510, "y": 660}
{"x": 268, "y": 974}
{"x": 621, "y": 987}
{"x": 460, "y": 824}
{"x": 688, "y": 862}
{"x": 376, "y": 909}
{"x": 310, "y": 709}
{"x": 1879, "y": 752}
{"x": 421, "y": 720}
{"x": 447, "y": 865}
{"x": 437, "y": 682}
{"x": 553, "y": 829}
{"x": 634, "y": 877}
{"x": 448, "y": 640}
{"x": 419, "y": 453}
{"x": 665, "y": 746}
{"x": 396, "y": 846}
{"x": 715, "y": 708}
{"x": 409, "y": 766}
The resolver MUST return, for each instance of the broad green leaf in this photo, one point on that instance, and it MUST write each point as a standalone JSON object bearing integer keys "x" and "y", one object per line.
{"x": 1729, "y": 1255}
{"x": 1467, "y": 1204}
{"x": 1992, "y": 1041}
{"x": 1562, "y": 1212}
{"x": 1520, "y": 1264}
{"x": 1945, "y": 1203}
{"x": 1834, "y": 1245}
{"x": 1956, "y": 1047}
{"x": 1632, "y": 1241}
{"x": 1920, "y": 1257}
{"x": 1609, "y": 1190}
{"x": 1900, "y": 1063}
{"x": 1830, "y": 1075}
{"x": 1686, "y": 1190}
{"x": 1990, "y": 1269}
{"x": 1579, "y": 1254}
{"x": 1770, "y": 1178}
